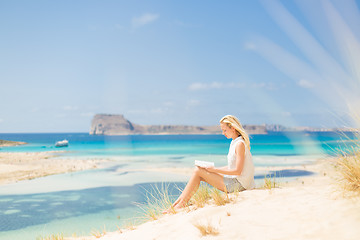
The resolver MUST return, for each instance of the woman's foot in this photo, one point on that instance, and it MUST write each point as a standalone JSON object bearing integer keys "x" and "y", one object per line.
{"x": 178, "y": 204}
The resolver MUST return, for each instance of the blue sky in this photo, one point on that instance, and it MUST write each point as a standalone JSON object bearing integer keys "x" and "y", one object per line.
{"x": 294, "y": 63}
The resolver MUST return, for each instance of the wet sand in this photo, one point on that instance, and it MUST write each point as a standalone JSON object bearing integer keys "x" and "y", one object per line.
{"x": 16, "y": 167}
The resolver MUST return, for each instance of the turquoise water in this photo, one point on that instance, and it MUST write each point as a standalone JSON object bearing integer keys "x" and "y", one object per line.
{"x": 83, "y": 201}
{"x": 82, "y": 144}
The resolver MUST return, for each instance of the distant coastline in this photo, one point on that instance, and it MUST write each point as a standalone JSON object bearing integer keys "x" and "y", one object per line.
{"x": 113, "y": 124}
{"x": 116, "y": 124}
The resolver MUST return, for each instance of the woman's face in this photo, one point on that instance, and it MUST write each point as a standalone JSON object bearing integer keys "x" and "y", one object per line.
{"x": 227, "y": 131}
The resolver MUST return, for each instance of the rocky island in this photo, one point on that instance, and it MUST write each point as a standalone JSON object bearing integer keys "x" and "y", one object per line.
{"x": 6, "y": 143}
{"x": 114, "y": 124}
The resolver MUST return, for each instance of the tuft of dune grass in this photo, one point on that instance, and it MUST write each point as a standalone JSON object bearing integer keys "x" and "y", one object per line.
{"x": 206, "y": 229}
{"x": 348, "y": 164}
{"x": 270, "y": 182}
{"x": 99, "y": 233}
{"x": 220, "y": 198}
{"x": 158, "y": 200}
{"x": 349, "y": 168}
{"x": 201, "y": 196}
{"x": 58, "y": 236}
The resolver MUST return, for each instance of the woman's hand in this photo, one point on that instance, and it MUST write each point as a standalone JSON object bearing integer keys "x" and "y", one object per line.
{"x": 210, "y": 169}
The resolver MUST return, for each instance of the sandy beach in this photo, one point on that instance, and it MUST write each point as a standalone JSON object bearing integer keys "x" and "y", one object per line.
{"x": 313, "y": 207}
{"x": 16, "y": 167}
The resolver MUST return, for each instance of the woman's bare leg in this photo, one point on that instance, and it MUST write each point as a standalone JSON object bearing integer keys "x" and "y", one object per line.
{"x": 200, "y": 174}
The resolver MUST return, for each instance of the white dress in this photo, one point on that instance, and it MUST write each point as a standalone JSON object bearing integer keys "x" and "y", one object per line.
{"x": 246, "y": 178}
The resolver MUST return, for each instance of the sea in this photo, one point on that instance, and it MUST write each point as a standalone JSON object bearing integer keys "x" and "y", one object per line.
{"x": 115, "y": 195}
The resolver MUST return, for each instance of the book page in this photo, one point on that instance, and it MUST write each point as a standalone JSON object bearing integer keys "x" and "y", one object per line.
{"x": 204, "y": 164}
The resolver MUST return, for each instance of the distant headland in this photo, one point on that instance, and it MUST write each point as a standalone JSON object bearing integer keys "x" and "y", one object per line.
{"x": 6, "y": 143}
{"x": 114, "y": 124}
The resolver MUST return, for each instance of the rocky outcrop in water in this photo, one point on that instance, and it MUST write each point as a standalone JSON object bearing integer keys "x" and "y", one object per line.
{"x": 107, "y": 124}
{"x": 5, "y": 143}
{"x": 111, "y": 124}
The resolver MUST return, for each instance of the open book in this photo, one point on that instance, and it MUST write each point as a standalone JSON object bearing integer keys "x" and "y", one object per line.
{"x": 203, "y": 164}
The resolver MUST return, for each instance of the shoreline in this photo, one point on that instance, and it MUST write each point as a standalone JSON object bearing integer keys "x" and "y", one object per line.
{"x": 313, "y": 207}
{"x": 21, "y": 166}
{"x": 15, "y": 166}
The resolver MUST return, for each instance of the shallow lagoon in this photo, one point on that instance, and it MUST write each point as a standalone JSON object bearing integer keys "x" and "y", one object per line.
{"x": 85, "y": 201}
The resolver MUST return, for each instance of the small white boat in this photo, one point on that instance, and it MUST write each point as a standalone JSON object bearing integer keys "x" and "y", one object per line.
{"x": 63, "y": 143}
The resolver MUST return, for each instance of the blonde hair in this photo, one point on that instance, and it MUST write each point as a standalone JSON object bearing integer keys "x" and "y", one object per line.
{"x": 232, "y": 121}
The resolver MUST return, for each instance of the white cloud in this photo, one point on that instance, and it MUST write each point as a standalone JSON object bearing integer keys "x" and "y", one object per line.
{"x": 70, "y": 108}
{"x": 214, "y": 85}
{"x": 144, "y": 19}
{"x": 265, "y": 85}
{"x": 1, "y": 120}
{"x": 87, "y": 114}
{"x": 305, "y": 83}
{"x": 197, "y": 86}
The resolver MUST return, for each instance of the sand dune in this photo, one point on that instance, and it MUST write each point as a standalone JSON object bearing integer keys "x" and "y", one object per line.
{"x": 311, "y": 208}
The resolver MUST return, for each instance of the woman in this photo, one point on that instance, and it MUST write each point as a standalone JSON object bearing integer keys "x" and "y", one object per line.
{"x": 238, "y": 175}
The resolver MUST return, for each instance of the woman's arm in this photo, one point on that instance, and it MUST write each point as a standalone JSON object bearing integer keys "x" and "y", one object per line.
{"x": 240, "y": 159}
{"x": 223, "y": 168}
